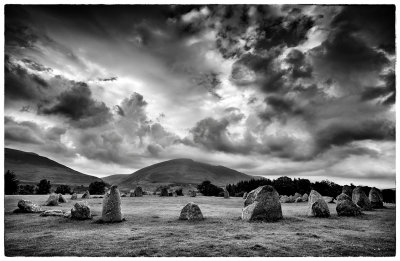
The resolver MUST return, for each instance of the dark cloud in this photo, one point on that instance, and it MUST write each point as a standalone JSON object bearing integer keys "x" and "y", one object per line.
{"x": 19, "y": 84}
{"x": 387, "y": 91}
{"x": 36, "y": 66}
{"x": 375, "y": 23}
{"x": 77, "y": 105}
{"x": 110, "y": 79}
{"x": 299, "y": 68}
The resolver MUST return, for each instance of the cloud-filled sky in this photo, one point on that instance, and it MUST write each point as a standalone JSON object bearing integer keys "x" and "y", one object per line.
{"x": 298, "y": 90}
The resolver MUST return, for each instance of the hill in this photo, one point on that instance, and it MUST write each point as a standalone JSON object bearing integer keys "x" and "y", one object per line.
{"x": 183, "y": 171}
{"x": 31, "y": 168}
{"x": 115, "y": 179}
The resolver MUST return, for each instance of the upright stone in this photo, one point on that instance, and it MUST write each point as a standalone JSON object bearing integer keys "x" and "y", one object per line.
{"x": 164, "y": 192}
{"x": 112, "y": 206}
{"x": 317, "y": 206}
{"x": 284, "y": 199}
{"x": 305, "y": 197}
{"x": 361, "y": 199}
{"x": 297, "y": 195}
{"x": 174, "y": 194}
{"x": 262, "y": 204}
{"x": 138, "y": 192}
{"x": 346, "y": 207}
{"x": 347, "y": 190}
{"x": 27, "y": 206}
{"x": 74, "y": 196}
{"x": 52, "y": 200}
{"x": 192, "y": 193}
{"x": 86, "y": 195}
{"x": 61, "y": 198}
{"x": 376, "y": 198}
{"x": 81, "y": 210}
{"x": 191, "y": 212}
{"x": 226, "y": 193}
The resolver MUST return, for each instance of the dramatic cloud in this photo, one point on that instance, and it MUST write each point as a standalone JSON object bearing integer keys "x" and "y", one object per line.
{"x": 271, "y": 90}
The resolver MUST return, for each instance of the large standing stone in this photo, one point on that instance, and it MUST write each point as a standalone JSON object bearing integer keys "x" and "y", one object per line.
{"x": 226, "y": 193}
{"x": 347, "y": 190}
{"x": 52, "y": 200}
{"x": 112, "y": 206}
{"x": 61, "y": 199}
{"x": 74, "y": 196}
{"x": 164, "y": 192}
{"x": 305, "y": 197}
{"x": 86, "y": 194}
{"x": 192, "y": 193}
{"x": 346, "y": 207}
{"x": 81, "y": 210}
{"x": 262, "y": 204}
{"x": 376, "y": 198}
{"x": 138, "y": 192}
{"x": 361, "y": 199}
{"x": 27, "y": 206}
{"x": 191, "y": 212}
{"x": 317, "y": 206}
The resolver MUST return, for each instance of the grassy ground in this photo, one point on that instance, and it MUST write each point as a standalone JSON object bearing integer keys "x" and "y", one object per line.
{"x": 152, "y": 228}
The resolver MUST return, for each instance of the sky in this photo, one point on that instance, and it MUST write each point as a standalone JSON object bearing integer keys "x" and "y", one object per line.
{"x": 304, "y": 91}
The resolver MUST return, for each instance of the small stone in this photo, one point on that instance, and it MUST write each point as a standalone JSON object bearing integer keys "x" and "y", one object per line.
{"x": 192, "y": 193}
{"x": 226, "y": 193}
{"x": 27, "y": 206}
{"x": 317, "y": 206}
{"x": 298, "y": 200}
{"x": 305, "y": 197}
{"x": 164, "y": 192}
{"x": 61, "y": 199}
{"x": 52, "y": 200}
{"x": 81, "y": 211}
{"x": 55, "y": 212}
{"x": 86, "y": 195}
{"x": 74, "y": 196}
{"x": 191, "y": 212}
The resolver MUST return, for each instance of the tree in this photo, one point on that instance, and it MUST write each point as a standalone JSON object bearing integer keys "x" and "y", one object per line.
{"x": 63, "y": 189}
{"x": 43, "y": 187}
{"x": 97, "y": 187}
{"x": 208, "y": 189}
{"x": 10, "y": 183}
{"x": 26, "y": 190}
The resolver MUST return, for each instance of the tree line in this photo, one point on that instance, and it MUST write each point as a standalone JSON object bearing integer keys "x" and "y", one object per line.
{"x": 287, "y": 186}
{"x": 12, "y": 186}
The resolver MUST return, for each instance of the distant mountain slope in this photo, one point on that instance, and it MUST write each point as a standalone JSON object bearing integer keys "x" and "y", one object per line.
{"x": 115, "y": 179}
{"x": 31, "y": 168}
{"x": 184, "y": 171}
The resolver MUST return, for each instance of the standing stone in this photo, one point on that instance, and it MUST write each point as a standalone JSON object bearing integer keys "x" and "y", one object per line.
{"x": 262, "y": 204}
{"x": 61, "y": 199}
{"x": 328, "y": 199}
{"x": 346, "y": 207}
{"x": 297, "y": 195}
{"x": 305, "y": 197}
{"x": 112, "y": 206}
{"x": 226, "y": 193}
{"x": 298, "y": 200}
{"x": 164, "y": 192}
{"x": 27, "y": 206}
{"x": 347, "y": 190}
{"x": 74, "y": 196}
{"x": 138, "y": 192}
{"x": 192, "y": 193}
{"x": 132, "y": 193}
{"x": 245, "y": 195}
{"x": 123, "y": 195}
{"x": 86, "y": 195}
{"x": 174, "y": 194}
{"x": 376, "y": 198}
{"x": 52, "y": 200}
{"x": 361, "y": 199}
{"x": 317, "y": 206}
{"x": 191, "y": 212}
{"x": 81, "y": 210}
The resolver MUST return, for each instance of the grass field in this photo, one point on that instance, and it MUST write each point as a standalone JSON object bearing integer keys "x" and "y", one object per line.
{"x": 152, "y": 228}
